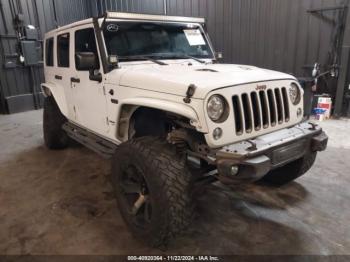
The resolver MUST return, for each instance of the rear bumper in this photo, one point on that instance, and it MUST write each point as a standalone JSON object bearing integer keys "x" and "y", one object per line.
{"x": 256, "y": 157}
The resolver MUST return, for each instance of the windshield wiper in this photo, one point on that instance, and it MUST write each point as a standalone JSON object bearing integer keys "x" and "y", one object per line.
{"x": 177, "y": 55}
{"x": 191, "y": 57}
{"x": 143, "y": 57}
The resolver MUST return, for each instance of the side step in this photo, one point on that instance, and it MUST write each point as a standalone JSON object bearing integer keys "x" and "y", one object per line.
{"x": 94, "y": 142}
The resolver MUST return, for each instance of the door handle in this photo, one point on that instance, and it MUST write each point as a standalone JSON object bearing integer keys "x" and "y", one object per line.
{"x": 58, "y": 77}
{"x": 75, "y": 80}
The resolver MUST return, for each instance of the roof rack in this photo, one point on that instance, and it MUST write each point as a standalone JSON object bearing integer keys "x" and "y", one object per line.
{"x": 135, "y": 16}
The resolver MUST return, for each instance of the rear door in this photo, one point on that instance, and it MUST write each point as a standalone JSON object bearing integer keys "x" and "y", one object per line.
{"x": 54, "y": 75}
{"x": 62, "y": 72}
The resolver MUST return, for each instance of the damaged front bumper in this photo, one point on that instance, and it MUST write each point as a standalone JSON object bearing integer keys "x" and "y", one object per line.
{"x": 250, "y": 160}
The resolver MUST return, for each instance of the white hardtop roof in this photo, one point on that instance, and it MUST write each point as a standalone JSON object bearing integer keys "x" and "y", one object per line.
{"x": 131, "y": 16}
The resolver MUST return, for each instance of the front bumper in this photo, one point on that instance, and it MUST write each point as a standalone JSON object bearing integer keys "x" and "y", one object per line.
{"x": 256, "y": 157}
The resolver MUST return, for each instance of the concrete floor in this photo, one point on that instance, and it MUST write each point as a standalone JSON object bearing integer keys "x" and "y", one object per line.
{"x": 60, "y": 202}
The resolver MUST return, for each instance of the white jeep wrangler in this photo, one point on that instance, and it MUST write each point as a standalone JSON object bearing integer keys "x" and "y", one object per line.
{"x": 147, "y": 91}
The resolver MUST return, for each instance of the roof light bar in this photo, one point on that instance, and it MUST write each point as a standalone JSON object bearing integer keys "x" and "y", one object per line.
{"x": 134, "y": 16}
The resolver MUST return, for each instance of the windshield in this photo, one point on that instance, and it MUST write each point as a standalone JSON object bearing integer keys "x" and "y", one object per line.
{"x": 129, "y": 40}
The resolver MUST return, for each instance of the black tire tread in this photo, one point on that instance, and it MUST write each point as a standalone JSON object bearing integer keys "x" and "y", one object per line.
{"x": 54, "y": 136}
{"x": 175, "y": 183}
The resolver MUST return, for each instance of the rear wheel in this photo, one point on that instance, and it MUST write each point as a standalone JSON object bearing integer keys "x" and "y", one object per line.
{"x": 153, "y": 188}
{"x": 291, "y": 171}
{"x": 54, "y": 136}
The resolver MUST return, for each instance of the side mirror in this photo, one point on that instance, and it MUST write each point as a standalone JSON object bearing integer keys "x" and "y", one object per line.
{"x": 86, "y": 61}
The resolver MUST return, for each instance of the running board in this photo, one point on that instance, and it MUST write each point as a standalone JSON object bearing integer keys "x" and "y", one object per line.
{"x": 94, "y": 142}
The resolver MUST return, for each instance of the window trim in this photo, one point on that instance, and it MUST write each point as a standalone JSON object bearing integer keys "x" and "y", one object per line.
{"x": 57, "y": 49}
{"x": 200, "y": 26}
{"x": 96, "y": 45}
{"x": 52, "y": 51}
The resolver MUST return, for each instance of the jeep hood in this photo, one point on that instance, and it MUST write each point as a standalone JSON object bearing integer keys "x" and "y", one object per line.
{"x": 175, "y": 78}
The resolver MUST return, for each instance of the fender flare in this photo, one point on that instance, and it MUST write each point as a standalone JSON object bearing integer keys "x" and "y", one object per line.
{"x": 50, "y": 89}
{"x": 163, "y": 105}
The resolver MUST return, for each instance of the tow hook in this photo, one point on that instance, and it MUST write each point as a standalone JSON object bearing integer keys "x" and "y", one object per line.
{"x": 253, "y": 146}
{"x": 313, "y": 126}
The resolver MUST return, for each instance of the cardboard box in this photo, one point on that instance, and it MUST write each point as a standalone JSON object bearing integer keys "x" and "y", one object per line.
{"x": 325, "y": 103}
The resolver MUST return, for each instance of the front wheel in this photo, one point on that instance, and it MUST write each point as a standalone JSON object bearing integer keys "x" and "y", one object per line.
{"x": 291, "y": 171}
{"x": 153, "y": 189}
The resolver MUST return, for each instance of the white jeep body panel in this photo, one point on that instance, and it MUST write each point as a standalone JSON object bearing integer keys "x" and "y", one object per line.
{"x": 146, "y": 84}
{"x": 176, "y": 77}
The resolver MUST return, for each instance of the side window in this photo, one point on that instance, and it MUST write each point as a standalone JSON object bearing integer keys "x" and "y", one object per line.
{"x": 63, "y": 50}
{"x": 85, "y": 42}
{"x": 49, "y": 52}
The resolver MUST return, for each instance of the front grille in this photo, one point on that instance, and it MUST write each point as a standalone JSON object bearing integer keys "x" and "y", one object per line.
{"x": 260, "y": 110}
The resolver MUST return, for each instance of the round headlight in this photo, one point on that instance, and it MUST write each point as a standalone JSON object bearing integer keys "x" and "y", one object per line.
{"x": 216, "y": 108}
{"x": 294, "y": 94}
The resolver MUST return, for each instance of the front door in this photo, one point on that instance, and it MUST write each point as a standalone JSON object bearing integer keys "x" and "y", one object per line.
{"x": 89, "y": 96}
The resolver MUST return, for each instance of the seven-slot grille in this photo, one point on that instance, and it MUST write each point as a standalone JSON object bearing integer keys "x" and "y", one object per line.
{"x": 260, "y": 109}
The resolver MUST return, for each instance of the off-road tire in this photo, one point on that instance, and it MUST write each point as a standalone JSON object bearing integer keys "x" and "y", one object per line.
{"x": 54, "y": 136}
{"x": 291, "y": 171}
{"x": 170, "y": 188}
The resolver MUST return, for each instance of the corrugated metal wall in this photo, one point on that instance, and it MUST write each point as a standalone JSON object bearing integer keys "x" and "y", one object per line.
{"x": 16, "y": 84}
{"x": 135, "y": 6}
{"x": 69, "y": 11}
{"x": 15, "y": 81}
{"x": 276, "y": 34}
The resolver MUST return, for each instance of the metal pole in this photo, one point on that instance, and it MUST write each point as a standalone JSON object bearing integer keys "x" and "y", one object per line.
{"x": 35, "y": 100}
{"x": 2, "y": 80}
{"x": 55, "y": 13}
{"x": 3, "y": 17}
{"x": 165, "y": 6}
{"x": 344, "y": 67}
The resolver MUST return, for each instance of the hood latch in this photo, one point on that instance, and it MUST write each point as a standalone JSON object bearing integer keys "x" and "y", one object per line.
{"x": 190, "y": 92}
